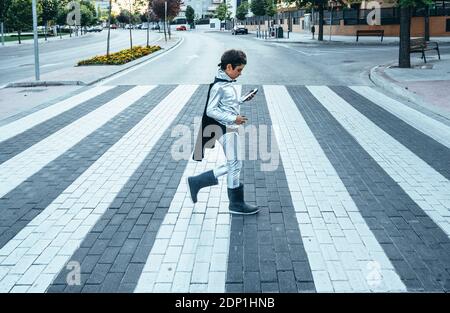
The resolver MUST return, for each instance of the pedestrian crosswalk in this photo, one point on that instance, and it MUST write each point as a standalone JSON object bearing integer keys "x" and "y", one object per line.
{"x": 359, "y": 200}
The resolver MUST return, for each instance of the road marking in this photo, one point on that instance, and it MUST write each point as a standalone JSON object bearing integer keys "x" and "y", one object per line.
{"x": 19, "y": 126}
{"x": 302, "y": 156}
{"x": 17, "y": 169}
{"x": 51, "y": 234}
{"x": 427, "y": 125}
{"x": 423, "y": 184}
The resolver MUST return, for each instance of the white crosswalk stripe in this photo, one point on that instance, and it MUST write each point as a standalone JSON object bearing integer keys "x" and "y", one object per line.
{"x": 27, "y": 255}
{"x": 17, "y": 169}
{"x": 419, "y": 180}
{"x": 333, "y": 249}
{"x": 435, "y": 129}
{"x": 12, "y": 129}
{"x": 191, "y": 249}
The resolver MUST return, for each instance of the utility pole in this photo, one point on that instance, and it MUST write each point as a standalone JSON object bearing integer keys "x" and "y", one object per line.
{"x": 36, "y": 43}
{"x": 331, "y": 19}
{"x": 109, "y": 28}
{"x": 148, "y": 24}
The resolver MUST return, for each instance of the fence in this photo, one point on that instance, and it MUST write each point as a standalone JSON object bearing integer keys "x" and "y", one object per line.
{"x": 388, "y": 16}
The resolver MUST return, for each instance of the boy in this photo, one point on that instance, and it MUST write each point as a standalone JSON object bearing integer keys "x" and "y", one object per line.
{"x": 222, "y": 118}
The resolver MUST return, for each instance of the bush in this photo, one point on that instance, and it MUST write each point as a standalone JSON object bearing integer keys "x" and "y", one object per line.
{"x": 121, "y": 57}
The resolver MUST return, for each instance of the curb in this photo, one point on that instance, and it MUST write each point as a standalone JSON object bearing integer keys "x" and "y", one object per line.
{"x": 324, "y": 42}
{"x": 45, "y": 84}
{"x": 81, "y": 83}
{"x": 389, "y": 85}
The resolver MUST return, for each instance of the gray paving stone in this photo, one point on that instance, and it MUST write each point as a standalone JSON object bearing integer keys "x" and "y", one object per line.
{"x": 381, "y": 201}
{"x": 128, "y": 224}
{"x": 69, "y": 166}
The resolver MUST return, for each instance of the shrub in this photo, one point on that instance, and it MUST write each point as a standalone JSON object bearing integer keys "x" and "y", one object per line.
{"x": 121, "y": 57}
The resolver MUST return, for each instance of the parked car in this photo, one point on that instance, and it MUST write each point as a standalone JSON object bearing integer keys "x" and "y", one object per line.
{"x": 95, "y": 29}
{"x": 239, "y": 29}
{"x": 181, "y": 27}
{"x": 113, "y": 26}
{"x": 155, "y": 27}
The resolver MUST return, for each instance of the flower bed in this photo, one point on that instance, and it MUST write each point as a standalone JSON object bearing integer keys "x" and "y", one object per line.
{"x": 121, "y": 57}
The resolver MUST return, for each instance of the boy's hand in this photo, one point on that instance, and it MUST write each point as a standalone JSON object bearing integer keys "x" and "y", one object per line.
{"x": 249, "y": 98}
{"x": 240, "y": 119}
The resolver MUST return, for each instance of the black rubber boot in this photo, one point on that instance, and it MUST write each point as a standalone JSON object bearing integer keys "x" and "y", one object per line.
{"x": 237, "y": 203}
{"x": 198, "y": 182}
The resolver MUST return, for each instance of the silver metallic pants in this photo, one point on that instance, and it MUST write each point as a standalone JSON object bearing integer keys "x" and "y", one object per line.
{"x": 230, "y": 144}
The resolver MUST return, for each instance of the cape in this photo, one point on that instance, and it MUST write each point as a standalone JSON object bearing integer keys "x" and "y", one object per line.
{"x": 214, "y": 130}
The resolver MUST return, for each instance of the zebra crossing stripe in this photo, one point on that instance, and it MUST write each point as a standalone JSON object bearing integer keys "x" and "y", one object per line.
{"x": 17, "y": 169}
{"x": 423, "y": 184}
{"x": 339, "y": 251}
{"x": 427, "y": 125}
{"x": 14, "y": 128}
{"x": 191, "y": 247}
{"x": 38, "y": 253}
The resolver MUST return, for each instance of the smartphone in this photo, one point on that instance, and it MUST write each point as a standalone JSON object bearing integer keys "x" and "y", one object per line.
{"x": 252, "y": 92}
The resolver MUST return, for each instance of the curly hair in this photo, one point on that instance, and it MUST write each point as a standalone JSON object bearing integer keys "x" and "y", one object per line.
{"x": 233, "y": 57}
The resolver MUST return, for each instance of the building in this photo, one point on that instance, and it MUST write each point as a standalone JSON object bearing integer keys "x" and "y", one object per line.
{"x": 346, "y": 19}
{"x": 204, "y": 8}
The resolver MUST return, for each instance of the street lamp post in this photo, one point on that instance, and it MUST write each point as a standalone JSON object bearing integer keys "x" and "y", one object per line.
{"x": 36, "y": 43}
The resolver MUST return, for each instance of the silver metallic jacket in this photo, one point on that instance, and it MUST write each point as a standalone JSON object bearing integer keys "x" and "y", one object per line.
{"x": 224, "y": 101}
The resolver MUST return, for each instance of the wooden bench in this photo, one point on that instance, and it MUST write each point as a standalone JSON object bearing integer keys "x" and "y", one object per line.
{"x": 420, "y": 45}
{"x": 372, "y": 32}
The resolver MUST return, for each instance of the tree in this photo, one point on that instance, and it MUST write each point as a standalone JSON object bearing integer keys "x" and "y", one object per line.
{"x": 271, "y": 9}
{"x": 242, "y": 11}
{"x": 173, "y": 8}
{"x": 49, "y": 12}
{"x": 258, "y": 7}
{"x": 404, "y": 57}
{"x": 124, "y": 17}
{"x": 223, "y": 12}
{"x": 190, "y": 15}
{"x": 4, "y": 4}
{"x": 20, "y": 16}
{"x": 320, "y": 4}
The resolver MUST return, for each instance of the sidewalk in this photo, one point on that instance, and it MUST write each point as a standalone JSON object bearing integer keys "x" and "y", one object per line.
{"x": 295, "y": 37}
{"x": 424, "y": 84}
{"x": 41, "y": 39}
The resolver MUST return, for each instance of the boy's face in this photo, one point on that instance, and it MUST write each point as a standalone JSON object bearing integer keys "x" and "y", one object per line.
{"x": 234, "y": 73}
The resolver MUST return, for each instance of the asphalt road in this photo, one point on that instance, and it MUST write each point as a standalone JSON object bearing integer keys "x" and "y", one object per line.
{"x": 17, "y": 62}
{"x": 196, "y": 59}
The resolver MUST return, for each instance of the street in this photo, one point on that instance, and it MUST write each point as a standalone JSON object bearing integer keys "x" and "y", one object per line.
{"x": 352, "y": 181}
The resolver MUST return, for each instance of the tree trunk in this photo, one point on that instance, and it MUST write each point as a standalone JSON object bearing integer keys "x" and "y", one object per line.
{"x": 427, "y": 23}
{"x": 19, "y": 32}
{"x": 165, "y": 33}
{"x": 131, "y": 39}
{"x": 45, "y": 30}
{"x": 404, "y": 60}
{"x": 320, "y": 37}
